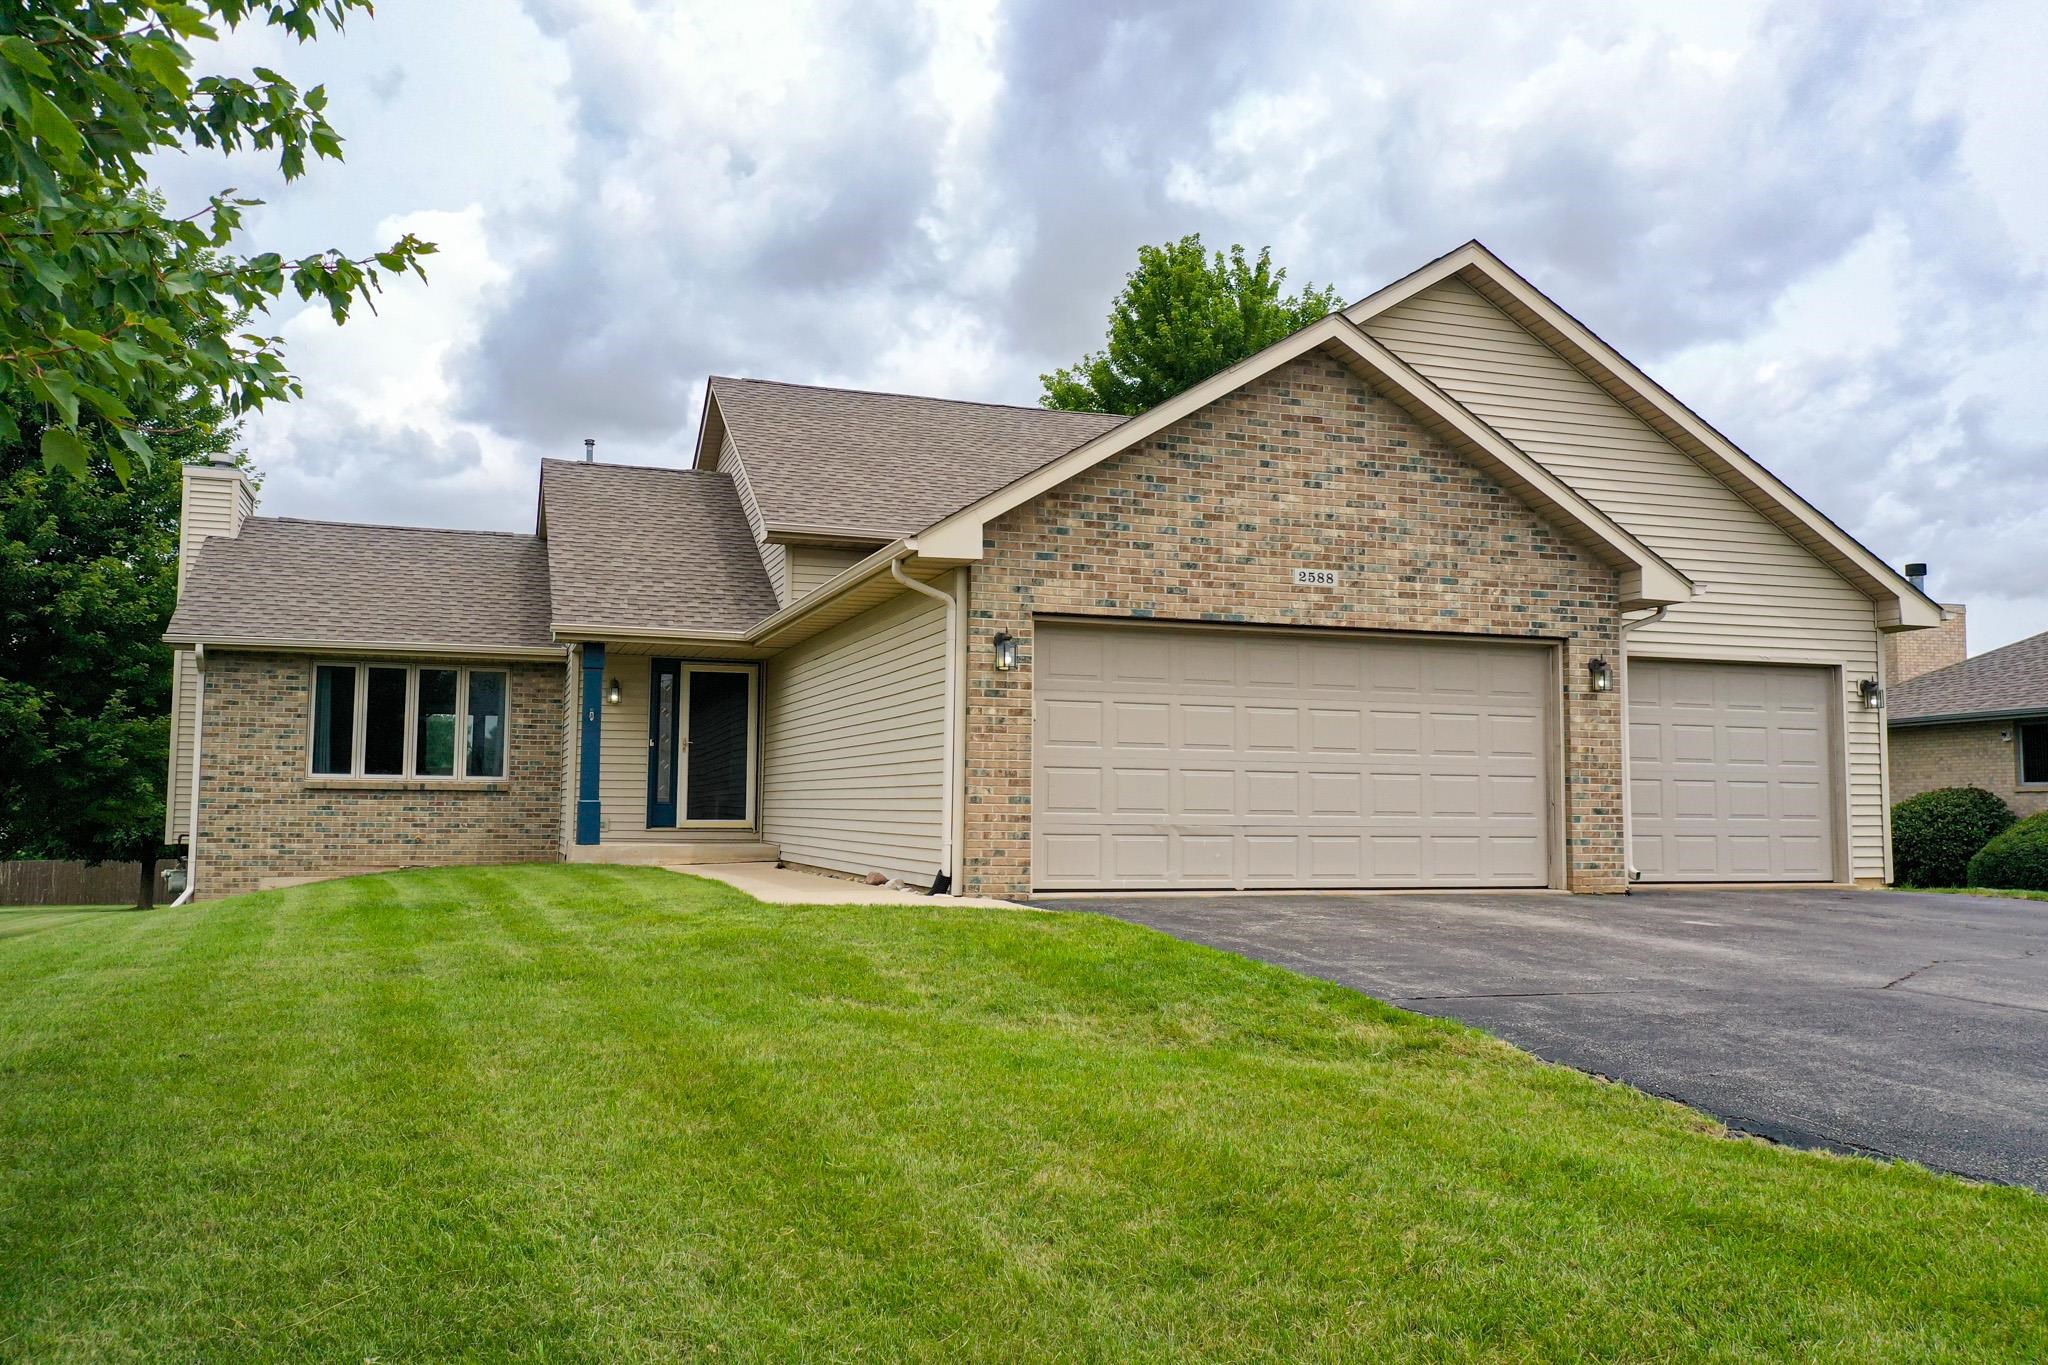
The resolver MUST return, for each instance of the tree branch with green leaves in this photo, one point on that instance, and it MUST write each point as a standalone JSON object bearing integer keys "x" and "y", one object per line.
{"x": 1183, "y": 315}
{"x": 116, "y": 315}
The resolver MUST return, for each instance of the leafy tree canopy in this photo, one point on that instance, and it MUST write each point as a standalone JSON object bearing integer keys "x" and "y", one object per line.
{"x": 1183, "y": 315}
{"x": 88, "y": 577}
{"x": 113, "y": 312}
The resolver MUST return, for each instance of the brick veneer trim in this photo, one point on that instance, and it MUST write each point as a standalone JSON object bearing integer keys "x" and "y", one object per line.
{"x": 1206, "y": 521}
{"x": 260, "y": 816}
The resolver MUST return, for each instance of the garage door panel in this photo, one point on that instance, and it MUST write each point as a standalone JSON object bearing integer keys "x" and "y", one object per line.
{"x": 1208, "y": 858}
{"x": 1143, "y": 791}
{"x": 1270, "y": 794}
{"x": 1199, "y": 663}
{"x": 1454, "y": 794}
{"x": 1515, "y": 796}
{"x": 1208, "y": 727}
{"x": 1336, "y": 794}
{"x": 1335, "y": 732}
{"x": 1288, "y": 760}
{"x": 1395, "y": 794}
{"x": 1271, "y": 729}
{"x": 1072, "y": 723}
{"x": 1514, "y": 736}
{"x": 1208, "y": 791}
{"x": 1073, "y": 791}
{"x": 1728, "y": 772}
{"x": 1335, "y": 668}
{"x": 1395, "y": 733}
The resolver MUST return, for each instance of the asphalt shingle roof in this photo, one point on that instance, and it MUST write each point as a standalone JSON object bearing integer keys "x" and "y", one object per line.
{"x": 288, "y": 581}
{"x": 884, "y": 464}
{"x": 644, "y": 549}
{"x": 2014, "y": 678}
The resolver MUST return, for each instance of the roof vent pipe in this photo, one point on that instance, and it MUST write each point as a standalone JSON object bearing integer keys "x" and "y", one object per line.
{"x": 1916, "y": 574}
{"x": 589, "y": 450}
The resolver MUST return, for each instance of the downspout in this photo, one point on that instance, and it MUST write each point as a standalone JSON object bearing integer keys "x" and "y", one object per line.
{"x": 944, "y": 883}
{"x": 1627, "y": 843}
{"x": 198, "y": 748}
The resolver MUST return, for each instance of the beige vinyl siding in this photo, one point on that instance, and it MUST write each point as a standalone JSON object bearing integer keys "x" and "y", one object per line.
{"x": 184, "y": 704}
{"x": 622, "y": 751}
{"x": 1764, "y": 597}
{"x": 572, "y": 686}
{"x": 812, "y": 565}
{"x": 855, "y": 744}
{"x": 774, "y": 558}
{"x": 210, "y": 503}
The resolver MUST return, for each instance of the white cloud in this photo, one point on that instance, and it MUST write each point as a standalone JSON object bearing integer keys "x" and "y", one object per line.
{"x": 1820, "y": 224}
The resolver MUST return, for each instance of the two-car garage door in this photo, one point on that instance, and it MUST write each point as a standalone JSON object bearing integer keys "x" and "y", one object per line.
{"x": 1188, "y": 758}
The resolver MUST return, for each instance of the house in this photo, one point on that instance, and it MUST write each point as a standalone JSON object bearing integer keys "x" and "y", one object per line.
{"x": 1955, "y": 721}
{"x": 1364, "y": 610}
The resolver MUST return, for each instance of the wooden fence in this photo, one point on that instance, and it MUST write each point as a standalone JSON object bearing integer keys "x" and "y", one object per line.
{"x": 37, "y": 882}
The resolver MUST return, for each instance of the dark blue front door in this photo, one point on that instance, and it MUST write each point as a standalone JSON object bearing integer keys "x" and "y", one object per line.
{"x": 664, "y": 698}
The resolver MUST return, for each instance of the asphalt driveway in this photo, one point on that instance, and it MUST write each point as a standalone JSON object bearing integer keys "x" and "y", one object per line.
{"x": 1907, "y": 1025}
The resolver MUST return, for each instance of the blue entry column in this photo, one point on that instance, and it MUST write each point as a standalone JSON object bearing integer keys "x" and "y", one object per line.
{"x": 589, "y": 812}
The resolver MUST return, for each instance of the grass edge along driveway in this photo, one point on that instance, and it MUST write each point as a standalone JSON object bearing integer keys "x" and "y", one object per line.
{"x": 574, "y": 1112}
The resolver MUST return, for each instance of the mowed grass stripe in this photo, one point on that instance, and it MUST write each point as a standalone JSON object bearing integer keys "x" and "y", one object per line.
{"x": 615, "y": 1113}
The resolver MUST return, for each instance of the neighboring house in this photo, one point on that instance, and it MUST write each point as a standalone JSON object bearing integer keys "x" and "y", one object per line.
{"x": 1962, "y": 722}
{"x": 1360, "y": 611}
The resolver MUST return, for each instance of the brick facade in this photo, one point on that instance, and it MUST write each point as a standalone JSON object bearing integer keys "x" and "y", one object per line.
{"x": 1910, "y": 653}
{"x": 261, "y": 817}
{"x": 1975, "y": 754}
{"x": 1206, "y": 521}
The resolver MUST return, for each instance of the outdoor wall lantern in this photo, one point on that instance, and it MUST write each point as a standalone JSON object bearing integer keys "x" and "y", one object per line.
{"x": 1871, "y": 693}
{"x": 1603, "y": 675}
{"x": 612, "y": 693}
{"x": 1006, "y": 651}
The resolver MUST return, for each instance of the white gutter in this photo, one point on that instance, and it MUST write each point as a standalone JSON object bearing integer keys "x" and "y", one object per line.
{"x": 949, "y": 795}
{"x": 1627, "y": 843}
{"x": 198, "y": 746}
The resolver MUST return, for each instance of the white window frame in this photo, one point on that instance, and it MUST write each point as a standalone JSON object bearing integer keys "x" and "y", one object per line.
{"x": 358, "y": 735}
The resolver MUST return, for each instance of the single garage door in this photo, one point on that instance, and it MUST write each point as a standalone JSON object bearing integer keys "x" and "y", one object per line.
{"x": 1729, "y": 772}
{"x": 1179, "y": 758}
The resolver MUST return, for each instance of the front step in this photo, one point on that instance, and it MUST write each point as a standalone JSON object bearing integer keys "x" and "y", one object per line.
{"x": 653, "y": 853}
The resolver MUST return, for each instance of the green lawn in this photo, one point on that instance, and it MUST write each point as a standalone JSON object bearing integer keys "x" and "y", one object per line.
{"x": 558, "y": 1113}
{"x": 1979, "y": 891}
{"x": 33, "y": 919}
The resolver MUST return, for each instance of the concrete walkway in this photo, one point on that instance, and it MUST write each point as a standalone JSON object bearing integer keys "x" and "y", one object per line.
{"x": 787, "y": 886}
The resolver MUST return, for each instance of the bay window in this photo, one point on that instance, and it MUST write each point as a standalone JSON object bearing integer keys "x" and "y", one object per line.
{"x": 408, "y": 721}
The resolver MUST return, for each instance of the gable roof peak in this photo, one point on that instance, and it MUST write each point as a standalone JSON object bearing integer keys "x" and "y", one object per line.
{"x": 1899, "y": 604}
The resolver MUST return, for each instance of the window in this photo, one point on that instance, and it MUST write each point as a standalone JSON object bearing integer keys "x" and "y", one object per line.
{"x": 2033, "y": 755}
{"x": 392, "y": 720}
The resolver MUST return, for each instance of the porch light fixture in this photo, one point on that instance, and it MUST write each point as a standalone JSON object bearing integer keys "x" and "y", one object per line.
{"x": 1603, "y": 675}
{"x": 1006, "y": 651}
{"x": 612, "y": 693}
{"x": 1871, "y": 693}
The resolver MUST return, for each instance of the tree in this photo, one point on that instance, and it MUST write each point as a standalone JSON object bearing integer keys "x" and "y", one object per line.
{"x": 1183, "y": 315}
{"x": 88, "y": 578}
{"x": 113, "y": 312}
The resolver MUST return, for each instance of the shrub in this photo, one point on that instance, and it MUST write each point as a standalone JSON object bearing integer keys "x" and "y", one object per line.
{"x": 1935, "y": 834}
{"x": 2016, "y": 860}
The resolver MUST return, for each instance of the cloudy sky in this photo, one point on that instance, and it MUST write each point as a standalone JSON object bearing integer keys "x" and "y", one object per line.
{"x": 1825, "y": 225}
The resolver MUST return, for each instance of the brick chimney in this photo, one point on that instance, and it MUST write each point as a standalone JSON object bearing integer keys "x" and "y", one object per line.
{"x": 1909, "y": 653}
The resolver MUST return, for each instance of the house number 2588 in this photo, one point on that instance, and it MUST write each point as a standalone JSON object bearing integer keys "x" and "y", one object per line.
{"x": 1315, "y": 578}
